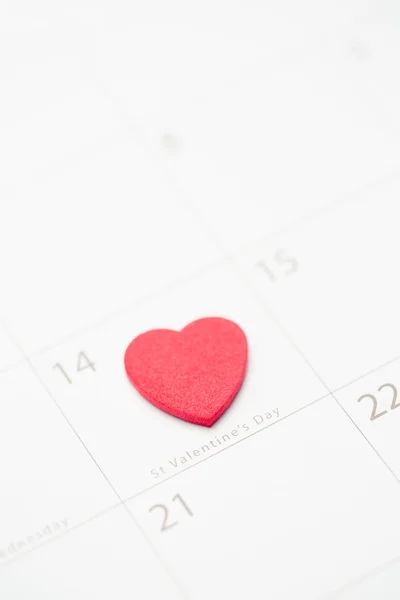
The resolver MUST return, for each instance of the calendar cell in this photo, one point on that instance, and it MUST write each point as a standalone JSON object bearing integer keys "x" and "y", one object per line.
{"x": 268, "y": 126}
{"x": 292, "y": 512}
{"x": 151, "y": 88}
{"x": 103, "y": 559}
{"x": 50, "y": 110}
{"x": 268, "y": 150}
{"x": 135, "y": 443}
{"x": 97, "y": 234}
{"x": 372, "y": 403}
{"x": 49, "y": 483}
{"x": 340, "y": 301}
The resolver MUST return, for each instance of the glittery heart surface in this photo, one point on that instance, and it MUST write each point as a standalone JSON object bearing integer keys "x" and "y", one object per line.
{"x": 193, "y": 374}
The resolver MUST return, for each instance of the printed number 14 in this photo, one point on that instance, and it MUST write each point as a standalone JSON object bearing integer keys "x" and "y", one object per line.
{"x": 83, "y": 363}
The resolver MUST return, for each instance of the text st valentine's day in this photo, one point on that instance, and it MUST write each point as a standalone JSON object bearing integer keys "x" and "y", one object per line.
{"x": 216, "y": 443}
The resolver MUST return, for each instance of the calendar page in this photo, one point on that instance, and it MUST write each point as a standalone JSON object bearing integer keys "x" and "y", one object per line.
{"x": 213, "y": 186}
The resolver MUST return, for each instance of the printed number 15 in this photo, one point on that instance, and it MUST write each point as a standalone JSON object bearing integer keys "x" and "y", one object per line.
{"x": 279, "y": 263}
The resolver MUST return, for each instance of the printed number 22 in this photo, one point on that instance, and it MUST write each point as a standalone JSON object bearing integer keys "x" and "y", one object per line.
{"x": 394, "y": 404}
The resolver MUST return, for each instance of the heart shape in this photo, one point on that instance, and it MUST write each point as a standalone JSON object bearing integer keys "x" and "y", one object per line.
{"x": 193, "y": 374}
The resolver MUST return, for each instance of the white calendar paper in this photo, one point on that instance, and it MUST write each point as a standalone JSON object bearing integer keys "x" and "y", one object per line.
{"x": 168, "y": 161}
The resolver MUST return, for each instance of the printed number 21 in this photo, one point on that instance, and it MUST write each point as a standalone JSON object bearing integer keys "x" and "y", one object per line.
{"x": 165, "y": 524}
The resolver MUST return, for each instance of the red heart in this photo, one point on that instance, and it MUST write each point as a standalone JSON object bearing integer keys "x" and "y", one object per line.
{"x": 193, "y": 374}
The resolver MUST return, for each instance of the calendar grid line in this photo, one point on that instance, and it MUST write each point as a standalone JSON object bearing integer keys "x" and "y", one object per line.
{"x": 367, "y": 440}
{"x": 82, "y": 524}
{"x": 231, "y": 259}
{"x": 327, "y": 395}
{"x": 374, "y": 370}
{"x": 304, "y": 357}
{"x": 12, "y": 366}
{"x": 374, "y": 570}
{"x": 239, "y": 163}
{"x": 168, "y": 569}
{"x": 60, "y": 535}
{"x": 127, "y": 307}
{"x": 124, "y": 502}
{"x": 250, "y": 435}
{"x": 157, "y": 555}
{"x": 72, "y": 427}
{"x": 347, "y": 198}
{"x": 226, "y": 257}
{"x": 333, "y": 391}
{"x": 145, "y": 490}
